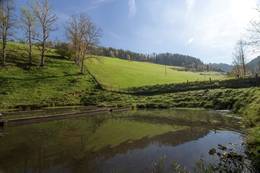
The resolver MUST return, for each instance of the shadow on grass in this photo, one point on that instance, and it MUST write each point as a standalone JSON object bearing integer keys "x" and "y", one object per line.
{"x": 59, "y": 57}
{"x": 19, "y": 57}
{"x": 21, "y": 60}
{"x": 39, "y": 78}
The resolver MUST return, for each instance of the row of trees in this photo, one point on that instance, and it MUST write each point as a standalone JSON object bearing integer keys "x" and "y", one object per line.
{"x": 186, "y": 61}
{"x": 189, "y": 62}
{"x": 37, "y": 20}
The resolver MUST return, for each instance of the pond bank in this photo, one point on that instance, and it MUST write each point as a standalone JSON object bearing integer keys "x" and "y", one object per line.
{"x": 28, "y": 117}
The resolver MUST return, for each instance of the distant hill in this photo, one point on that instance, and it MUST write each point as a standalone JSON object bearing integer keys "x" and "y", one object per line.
{"x": 254, "y": 65}
{"x": 178, "y": 60}
{"x": 221, "y": 67}
{"x": 189, "y": 63}
{"x": 170, "y": 59}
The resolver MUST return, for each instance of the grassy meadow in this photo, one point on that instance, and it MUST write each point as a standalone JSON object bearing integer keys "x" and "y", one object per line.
{"x": 114, "y": 73}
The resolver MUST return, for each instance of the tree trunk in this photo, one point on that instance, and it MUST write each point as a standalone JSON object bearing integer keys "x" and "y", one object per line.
{"x": 82, "y": 66}
{"x": 30, "y": 53}
{"x": 244, "y": 69}
{"x": 4, "y": 52}
{"x": 43, "y": 47}
{"x": 42, "y": 54}
{"x": 30, "y": 47}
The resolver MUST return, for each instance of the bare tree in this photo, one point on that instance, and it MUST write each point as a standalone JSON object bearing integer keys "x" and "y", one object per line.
{"x": 254, "y": 37}
{"x": 240, "y": 58}
{"x": 46, "y": 19}
{"x": 28, "y": 23}
{"x": 236, "y": 69}
{"x": 73, "y": 34}
{"x": 6, "y": 24}
{"x": 83, "y": 34}
{"x": 254, "y": 30}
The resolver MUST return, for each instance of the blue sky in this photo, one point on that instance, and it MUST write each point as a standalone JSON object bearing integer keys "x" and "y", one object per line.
{"x": 207, "y": 29}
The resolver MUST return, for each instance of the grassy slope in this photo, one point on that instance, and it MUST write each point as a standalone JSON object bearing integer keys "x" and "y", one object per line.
{"x": 59, "y": 83}
{"x": 243, "y": 101}
{"x": 117, "y": 73}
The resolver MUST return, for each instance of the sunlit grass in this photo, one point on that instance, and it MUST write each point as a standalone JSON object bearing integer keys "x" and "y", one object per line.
{"x": 58, "y": 83}
{"x": 117, "y": 73}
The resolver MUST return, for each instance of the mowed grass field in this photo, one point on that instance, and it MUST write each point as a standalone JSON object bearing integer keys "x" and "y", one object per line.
{"x": 121, "y": 74}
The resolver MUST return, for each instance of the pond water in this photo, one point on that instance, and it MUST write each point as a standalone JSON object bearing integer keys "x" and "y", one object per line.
{"x": 138, "y": 141}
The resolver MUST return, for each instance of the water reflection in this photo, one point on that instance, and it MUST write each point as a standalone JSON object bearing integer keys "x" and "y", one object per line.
{"x": 123, "y": 142}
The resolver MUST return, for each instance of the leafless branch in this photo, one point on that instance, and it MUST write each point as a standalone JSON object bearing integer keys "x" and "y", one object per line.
{"x": 46, "y": 19}
{"x": 7, "y": 22}
{"x": 83, "y": 34}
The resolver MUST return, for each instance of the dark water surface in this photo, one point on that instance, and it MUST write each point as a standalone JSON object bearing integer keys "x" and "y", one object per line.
{"x": 133, "y": 142}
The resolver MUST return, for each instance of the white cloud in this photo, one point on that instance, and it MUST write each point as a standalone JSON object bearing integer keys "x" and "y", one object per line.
{"x": 210, "y": 28}
{"x": 220, "y": 25}
{"x": 190, "y": 41}
{"x": 189, "y": 6}
{"x": 131, "y": 8}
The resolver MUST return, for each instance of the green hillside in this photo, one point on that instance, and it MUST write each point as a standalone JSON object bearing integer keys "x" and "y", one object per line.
{"x": 59, "y": 82}
{"x": 121, "y": 74}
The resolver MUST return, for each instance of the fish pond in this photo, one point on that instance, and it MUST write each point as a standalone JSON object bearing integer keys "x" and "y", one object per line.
{"x": 127, "y": 142}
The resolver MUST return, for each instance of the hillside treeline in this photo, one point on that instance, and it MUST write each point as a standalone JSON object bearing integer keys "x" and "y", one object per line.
{"x": 188, "y": 62}
{"x": 170, "y": 59}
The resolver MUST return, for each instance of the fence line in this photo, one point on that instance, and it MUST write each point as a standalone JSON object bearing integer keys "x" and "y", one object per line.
{"x": 187, "y": 86}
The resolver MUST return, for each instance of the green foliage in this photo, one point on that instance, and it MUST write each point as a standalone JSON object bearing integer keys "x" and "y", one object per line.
{"x": 63, "y": 50}
{"x": 254, "y": 145}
